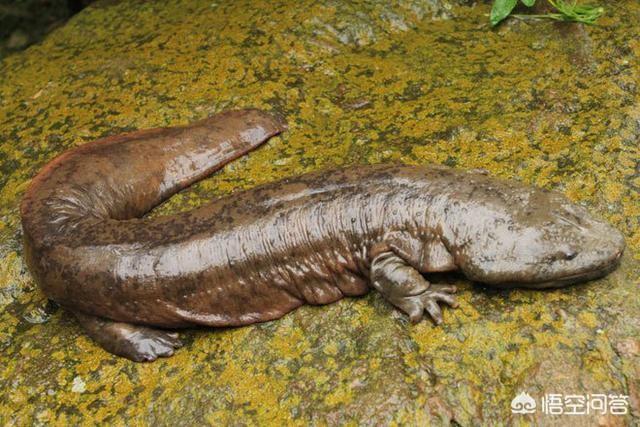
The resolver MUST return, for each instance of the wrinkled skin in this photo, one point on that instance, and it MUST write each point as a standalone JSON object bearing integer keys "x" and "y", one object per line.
{"x": 258, "y": 254}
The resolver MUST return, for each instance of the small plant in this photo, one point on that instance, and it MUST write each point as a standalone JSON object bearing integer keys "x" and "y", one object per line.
{"x": 568, "y": 10}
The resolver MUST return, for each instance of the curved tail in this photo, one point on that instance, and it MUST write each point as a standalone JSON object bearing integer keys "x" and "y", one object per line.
{"x": 117, "y": 179}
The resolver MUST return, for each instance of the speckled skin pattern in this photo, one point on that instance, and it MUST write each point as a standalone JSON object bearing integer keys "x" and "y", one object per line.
{"x": 255, "y": 256}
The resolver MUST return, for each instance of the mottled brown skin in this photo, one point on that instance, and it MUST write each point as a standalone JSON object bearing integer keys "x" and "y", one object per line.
{"x": 258, "y": 254}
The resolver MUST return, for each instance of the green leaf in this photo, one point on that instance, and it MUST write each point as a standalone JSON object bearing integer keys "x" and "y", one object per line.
{"x": 528, "y": 3}
{"x": 500, "y": 10}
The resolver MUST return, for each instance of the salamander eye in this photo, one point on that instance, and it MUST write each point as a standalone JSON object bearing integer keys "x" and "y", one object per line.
{"x": 563, "y": 255}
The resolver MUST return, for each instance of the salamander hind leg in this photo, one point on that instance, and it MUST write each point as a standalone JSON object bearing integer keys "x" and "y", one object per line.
{"x": 137, "y": 343}
{"x": 404, "y": 287}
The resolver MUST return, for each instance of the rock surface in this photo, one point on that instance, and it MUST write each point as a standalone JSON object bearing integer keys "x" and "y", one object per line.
{"x": 555, "y": 105}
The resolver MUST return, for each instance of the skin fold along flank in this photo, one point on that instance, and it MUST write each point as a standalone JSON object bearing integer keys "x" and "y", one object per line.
{"x": 258, "y": 254}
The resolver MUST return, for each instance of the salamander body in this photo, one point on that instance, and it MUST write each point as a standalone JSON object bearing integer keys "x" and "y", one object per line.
{"x": 256, "y": 255}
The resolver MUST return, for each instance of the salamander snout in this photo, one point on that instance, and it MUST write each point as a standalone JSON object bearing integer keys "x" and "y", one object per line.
{"x": 554, "y": 243}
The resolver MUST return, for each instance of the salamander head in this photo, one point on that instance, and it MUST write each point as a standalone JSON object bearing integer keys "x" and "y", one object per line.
{"x": 534, "y": 238}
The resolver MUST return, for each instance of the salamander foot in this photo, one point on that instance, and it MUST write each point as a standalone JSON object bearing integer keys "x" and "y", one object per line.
{"x": 405, "y": 288}
{"x": 415, "y": 305}
{"x": 137, "y": 343}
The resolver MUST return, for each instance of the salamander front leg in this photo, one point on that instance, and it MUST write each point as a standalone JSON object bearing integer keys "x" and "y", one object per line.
{"x": 405, "y": 288}
{"x": 138, "y": 343}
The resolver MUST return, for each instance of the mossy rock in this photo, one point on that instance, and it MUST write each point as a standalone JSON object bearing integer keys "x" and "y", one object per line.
{"x": 555, "y": 105}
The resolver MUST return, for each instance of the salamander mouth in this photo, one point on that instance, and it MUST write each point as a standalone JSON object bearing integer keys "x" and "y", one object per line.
{"x": 583, "y": 276}
{"x": 601, "y": 270}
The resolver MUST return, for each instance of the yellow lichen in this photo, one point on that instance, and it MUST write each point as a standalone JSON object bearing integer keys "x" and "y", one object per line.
{"x": 547, "y": 104}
